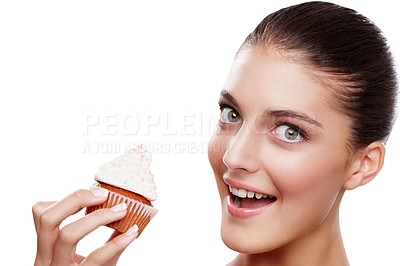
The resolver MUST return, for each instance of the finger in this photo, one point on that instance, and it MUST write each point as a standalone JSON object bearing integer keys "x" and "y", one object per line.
{"x": 37, "y": 209}
{"x": 78, "y": 259}
{"x": 113, "y": 235}
{"x": 43, "y": 253}
{"x": 70, "y": 235}
{"x": 51, "y": 217}
{"x": 110, "y": 252}
{"x": 74, "y": 203}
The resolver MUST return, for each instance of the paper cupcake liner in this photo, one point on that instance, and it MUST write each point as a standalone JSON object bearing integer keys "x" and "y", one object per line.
{"x": 138, "y": 213}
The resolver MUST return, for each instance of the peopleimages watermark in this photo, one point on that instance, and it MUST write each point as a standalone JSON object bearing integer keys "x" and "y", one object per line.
{"x": 160, "y": 133}
{"x": 167, "y": 124}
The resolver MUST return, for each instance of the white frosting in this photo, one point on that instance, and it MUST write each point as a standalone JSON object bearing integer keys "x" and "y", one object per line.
{"x": 130, "y": 171}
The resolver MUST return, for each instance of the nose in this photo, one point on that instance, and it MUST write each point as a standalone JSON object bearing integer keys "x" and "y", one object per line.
{"x": 242, "y": 151}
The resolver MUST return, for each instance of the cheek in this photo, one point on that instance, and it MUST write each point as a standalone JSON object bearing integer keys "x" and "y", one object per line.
{"x": 310, "y": 179}
{"x": 216, "y": 151}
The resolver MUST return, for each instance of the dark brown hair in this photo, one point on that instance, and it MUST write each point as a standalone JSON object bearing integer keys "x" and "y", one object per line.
{"x": 350, "y": 50}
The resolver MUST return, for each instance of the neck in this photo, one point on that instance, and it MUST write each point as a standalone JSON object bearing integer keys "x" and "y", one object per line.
{"x": 322, "y": 246}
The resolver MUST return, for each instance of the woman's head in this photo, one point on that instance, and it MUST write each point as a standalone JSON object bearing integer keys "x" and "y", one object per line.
{"x": 293, "y": 106}
{"x": 347, "y": 52}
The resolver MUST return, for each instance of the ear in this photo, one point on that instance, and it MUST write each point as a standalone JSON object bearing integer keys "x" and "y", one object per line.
{"x": 366, "y": 166}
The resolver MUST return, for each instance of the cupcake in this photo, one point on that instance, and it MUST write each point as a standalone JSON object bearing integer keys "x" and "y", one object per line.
{"x": 128, "y": 179}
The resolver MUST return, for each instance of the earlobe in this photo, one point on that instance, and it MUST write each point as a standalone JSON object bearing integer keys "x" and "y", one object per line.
{"x": 367, "y": 166}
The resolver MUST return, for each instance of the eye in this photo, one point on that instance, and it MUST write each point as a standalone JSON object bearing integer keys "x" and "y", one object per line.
{"x": 288, "y": 133}
{"x": 229, "y": 115}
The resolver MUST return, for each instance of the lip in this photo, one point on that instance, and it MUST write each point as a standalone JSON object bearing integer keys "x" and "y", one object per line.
{"x": 235, "y": 184}
{"x": 243, "y": 213}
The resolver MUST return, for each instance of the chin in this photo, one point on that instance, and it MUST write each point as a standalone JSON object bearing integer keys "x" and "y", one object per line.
{"x": 238, "y": 242}
{"x": 230, "y": 240}
{"x": 244, "y": 239}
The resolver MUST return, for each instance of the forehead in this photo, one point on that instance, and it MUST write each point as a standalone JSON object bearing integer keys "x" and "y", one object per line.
{"x": 264, "y": 78}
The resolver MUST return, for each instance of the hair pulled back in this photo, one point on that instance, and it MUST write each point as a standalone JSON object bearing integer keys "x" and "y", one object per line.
{"x": 351, "y": 51}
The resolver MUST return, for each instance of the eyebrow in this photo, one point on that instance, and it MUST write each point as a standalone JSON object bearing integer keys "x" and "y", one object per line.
{"x": 292, "y": 114}
{"x": 225, "y": 94}
{"x": 275, "y": 113}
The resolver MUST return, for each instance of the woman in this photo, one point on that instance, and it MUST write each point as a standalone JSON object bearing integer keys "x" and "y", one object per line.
{"x": 305, "y": 114}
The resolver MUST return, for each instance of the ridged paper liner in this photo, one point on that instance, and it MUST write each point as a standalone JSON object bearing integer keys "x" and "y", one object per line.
{"x": 138, "y": 213}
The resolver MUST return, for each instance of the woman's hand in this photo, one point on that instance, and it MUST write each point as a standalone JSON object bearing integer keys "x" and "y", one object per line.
{"x": 57, "y": 246}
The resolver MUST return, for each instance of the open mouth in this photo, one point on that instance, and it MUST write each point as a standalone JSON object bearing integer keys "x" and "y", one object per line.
{"x": 243, "y": 198}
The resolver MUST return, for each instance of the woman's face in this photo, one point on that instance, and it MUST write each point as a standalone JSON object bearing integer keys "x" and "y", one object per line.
{"x": 278, "y": 153}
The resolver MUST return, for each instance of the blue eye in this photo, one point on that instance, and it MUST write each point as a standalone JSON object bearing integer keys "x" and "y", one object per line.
{"x": 229, "y": 115}
{"x": 288, "y": 133}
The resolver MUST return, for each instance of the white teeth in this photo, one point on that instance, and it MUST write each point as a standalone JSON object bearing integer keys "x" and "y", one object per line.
{"x": 235, "y": 191}
{"x": 242, "y": 193}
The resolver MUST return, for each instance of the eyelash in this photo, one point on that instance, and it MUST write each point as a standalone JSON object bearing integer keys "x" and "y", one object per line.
{"x": 222, "y": 106}
{"x": 301, "y": 132}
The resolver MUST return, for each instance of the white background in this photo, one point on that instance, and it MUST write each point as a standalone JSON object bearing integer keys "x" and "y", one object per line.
{"x": 65, "y": 65}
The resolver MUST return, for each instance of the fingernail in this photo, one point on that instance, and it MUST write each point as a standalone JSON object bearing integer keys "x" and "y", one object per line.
{"x": 119, "y": 207}
{"x": 132, "y": 230}
{"x": 98, "y": 191}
